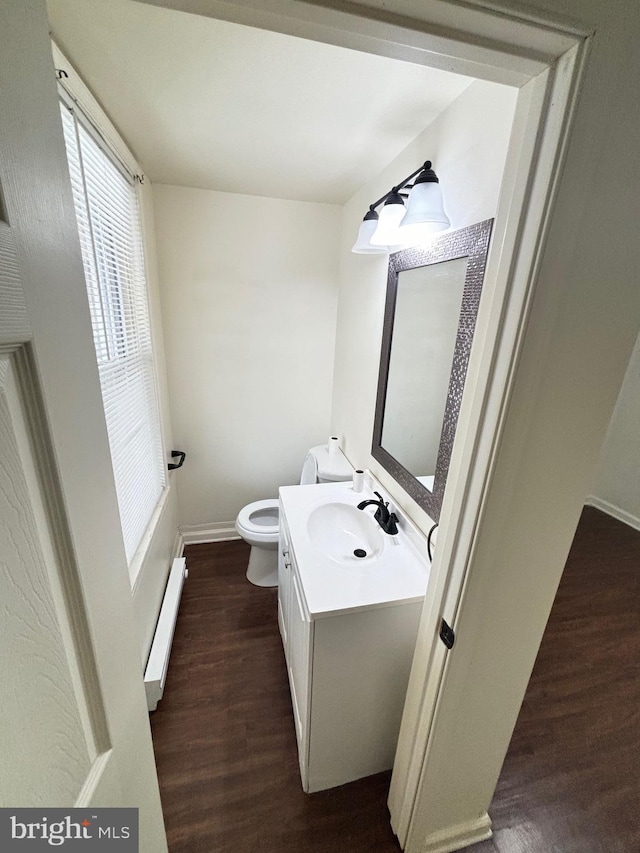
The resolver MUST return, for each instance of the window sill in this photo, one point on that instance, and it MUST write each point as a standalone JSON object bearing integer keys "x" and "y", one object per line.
{"x": 135, "y": 567}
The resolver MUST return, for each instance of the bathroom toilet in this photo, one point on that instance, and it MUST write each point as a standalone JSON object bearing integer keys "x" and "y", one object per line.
{"x": 258, "y": 522}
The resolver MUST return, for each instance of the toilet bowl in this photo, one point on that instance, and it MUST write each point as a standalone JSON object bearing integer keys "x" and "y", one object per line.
{"x": 258, "y": 522}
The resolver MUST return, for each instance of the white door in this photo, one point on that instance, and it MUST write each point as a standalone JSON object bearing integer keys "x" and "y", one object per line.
{"x": 73, "y": 724}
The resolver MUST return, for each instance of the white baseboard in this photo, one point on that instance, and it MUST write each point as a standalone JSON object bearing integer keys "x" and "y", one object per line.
{"x": 457, "y": 837}
{"x": 215, "y": 531}
{"x": 614, "y": 511}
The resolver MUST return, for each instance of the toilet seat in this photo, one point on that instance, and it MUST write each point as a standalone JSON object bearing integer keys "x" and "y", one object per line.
{"x": 258, "y": 523}
{"x": 260, "y": 520}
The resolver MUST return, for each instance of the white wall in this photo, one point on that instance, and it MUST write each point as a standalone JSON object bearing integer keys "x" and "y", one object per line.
{"x": 616, "y": 482}
{"x": 249, "y": 291}
{"x": 467, "y": 144}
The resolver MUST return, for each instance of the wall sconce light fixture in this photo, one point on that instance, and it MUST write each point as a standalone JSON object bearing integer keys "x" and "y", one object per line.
{"x": 398, "y": 227}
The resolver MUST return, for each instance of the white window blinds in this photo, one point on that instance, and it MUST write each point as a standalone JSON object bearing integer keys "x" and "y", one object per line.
{"x": 108, "y": 217}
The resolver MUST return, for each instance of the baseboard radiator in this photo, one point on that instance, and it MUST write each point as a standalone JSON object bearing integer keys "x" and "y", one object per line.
{"x": 155, "y": 674}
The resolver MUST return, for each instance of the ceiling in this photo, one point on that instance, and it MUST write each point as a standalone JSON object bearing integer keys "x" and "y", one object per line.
{"x": 217, "y": 105}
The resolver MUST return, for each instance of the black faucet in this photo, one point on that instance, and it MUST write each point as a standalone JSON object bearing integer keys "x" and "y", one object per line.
{"x": 388, "y": 521}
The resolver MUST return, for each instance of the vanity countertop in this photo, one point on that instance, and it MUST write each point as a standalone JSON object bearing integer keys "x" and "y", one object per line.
{"x": 396, "y": 575}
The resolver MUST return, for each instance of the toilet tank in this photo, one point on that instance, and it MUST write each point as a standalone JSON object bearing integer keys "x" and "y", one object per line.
{"x": 321, "y": 467}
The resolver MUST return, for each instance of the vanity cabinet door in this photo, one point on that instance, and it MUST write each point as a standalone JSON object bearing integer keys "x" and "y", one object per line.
{"x": 284, "y": 584}
{"x": 299, "y": 665}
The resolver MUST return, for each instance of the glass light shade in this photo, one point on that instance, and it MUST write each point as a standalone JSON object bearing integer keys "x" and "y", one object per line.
{"x": 386, "y": 234}
{"x": 425, "y": 213}
{"x": 418, "y": 234}
{"x": 363, "y": 246}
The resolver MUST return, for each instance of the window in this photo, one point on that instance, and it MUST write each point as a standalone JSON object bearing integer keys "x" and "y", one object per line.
{"x": 108, "y": 215}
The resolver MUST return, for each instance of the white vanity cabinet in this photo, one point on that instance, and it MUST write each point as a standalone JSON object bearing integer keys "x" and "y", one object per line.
{"x": 299, "y": 669}
{"x": 284, "y": 583}
{"x": 348, "y": 673}
{"x": 296, "y": 629}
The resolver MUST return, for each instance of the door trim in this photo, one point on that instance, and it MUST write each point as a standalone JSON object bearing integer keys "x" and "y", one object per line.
{"x": 79, "y": 639}
{"x": 545, "y": 58}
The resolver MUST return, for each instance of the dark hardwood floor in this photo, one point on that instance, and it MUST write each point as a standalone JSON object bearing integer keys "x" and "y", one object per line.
{"x": 571, "y": 779}
{"x": 225, "y": 743}
{"x": 224, "y": 734}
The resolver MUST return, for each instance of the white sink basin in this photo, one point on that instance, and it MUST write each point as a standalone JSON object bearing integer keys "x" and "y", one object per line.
{"x": 345, "y": 533}
{"x": 325, "y": 527}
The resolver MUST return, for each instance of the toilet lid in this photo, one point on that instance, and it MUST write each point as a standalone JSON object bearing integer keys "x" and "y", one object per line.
{"x": 320, "y": 466}
{"x": 333, "y": 468}
{"x": 260, "y": 516}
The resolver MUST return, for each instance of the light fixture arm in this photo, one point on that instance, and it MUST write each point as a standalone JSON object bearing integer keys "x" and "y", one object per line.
{"x": 397, "y": 225}
{"x": 426, "y": 166}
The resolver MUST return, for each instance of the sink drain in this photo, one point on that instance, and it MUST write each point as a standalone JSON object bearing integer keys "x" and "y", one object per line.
{"x": 359, "y": 553}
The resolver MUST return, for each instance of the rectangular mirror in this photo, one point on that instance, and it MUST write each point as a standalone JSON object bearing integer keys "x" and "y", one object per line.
{"x": 430, "y": 316}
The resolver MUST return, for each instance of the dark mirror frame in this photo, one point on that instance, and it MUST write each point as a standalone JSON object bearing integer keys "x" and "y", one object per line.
{"x": 471, "y": 242}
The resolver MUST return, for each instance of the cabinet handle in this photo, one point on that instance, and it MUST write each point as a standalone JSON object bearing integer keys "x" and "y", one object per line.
{"x": 287, "y": 565}
{"x": 285, "y": 553}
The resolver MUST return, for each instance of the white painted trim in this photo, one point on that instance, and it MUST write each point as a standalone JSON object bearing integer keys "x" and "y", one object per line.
{"x": 531, "y": 174}
{"x": 614, "y": 511}
{"x": 71, "y": 585}
{"x": 178, "y": 546}
{"x": 459, "y": 836}
{"x": 504, "y": 48}
{"x": 93, "y": 780}
{"x": 213, "y": 531}
{"x": 136, "y": 568}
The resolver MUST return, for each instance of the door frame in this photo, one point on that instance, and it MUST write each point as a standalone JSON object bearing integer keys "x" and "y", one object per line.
{"x": 545, "y": 59}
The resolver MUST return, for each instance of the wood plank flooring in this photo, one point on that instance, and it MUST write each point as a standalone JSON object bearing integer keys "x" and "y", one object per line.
{"x": 224, "y": 734}
{"x": 225, "y": 743}
{"x": 571, "y": 779}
